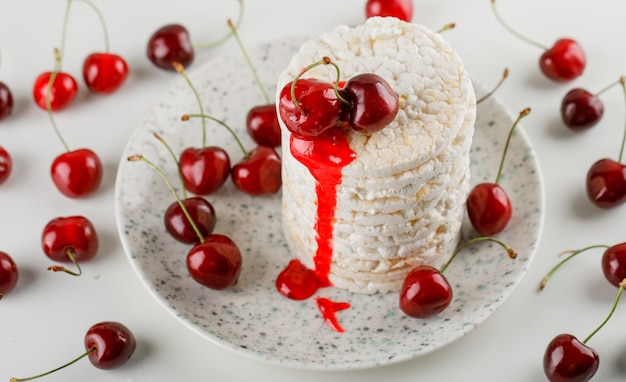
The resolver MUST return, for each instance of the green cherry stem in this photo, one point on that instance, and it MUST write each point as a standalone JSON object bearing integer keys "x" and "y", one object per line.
{"x": 137, "y": 158}
{"x": 622, "y": 81}
{"x": 227, "y": 36}
{"x": 186, "y": 117}
{"x": 522, "y": 114}
{"x": 514, "y": 32}
{"x": 66, "y": 18}
{"x": 505, "y": 74}
{"x": 622, "y": 285}
{"x": 544, "y": 281}
{"x": 60, "y": 268}
{"x": 169, "y": 149}
{"x": 53, "y": 76}
{"x": 180, "y": 69}
{"x": 248, "y": 61}
{"x": 91, "y": 349}
{"x": 324, "y": 61}
{"x": 102, "y": 23}
{"x": 510, "y": 251}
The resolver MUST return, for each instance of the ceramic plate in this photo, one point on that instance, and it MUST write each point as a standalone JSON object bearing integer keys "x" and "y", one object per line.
{"x": 252, "y": 318}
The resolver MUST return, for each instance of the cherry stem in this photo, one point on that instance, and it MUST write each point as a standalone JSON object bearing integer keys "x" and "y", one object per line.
{"x": 447, "y": 27}
{"x": 169, "y": 149}
{"x": 574, "y": 253}
{"x": 227, "y": 36}
{"x": 91, "y": 349}
{"x": 522, "y": 114}
{"x": 60, "y": 268}
{"x": 136, "y": 158}
{"x": 505, "y": 74}
{"x": 510, "y": 251}
{"x": 53, "y": 76}
{"x": 622, "y": 81}
{"x": 180, "y": 69}
{"x": 324, "y": 61}
{"x": 249, "y": 61}
{"x": 609, "y": 86}
{"x": 186, "y": 117}
{"x": 64, "y": 34}
{"x": 622, "y": 285}
{"x": 102, "y": 23}
{"x": 514, "y": 32}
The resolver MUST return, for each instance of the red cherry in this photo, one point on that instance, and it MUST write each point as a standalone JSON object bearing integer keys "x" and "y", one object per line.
{"x": 402, "y": 9}
{"x": 568, "y": 359}
{"x": 204, "y": 170}
{"x": 170, "y": 43}
{"x": 104, "y": 72}
{"x": 606, "y": 183}
{"x": 63, "y": 90}
{"x": 109, "y": 344}
{"x": 215, "y": 262}
{"x": 6, "y": 101}
{"x": 259, "y": 173}
{"x": 77, "y": 173}
{"x": 614, "y": 263}
{"x": 296, "y": 281}
{"x": 69, "y": 239}
{"x": 489, "y": 208}
{"x": 374, "y": 102}
{"x": 564, "y": 61}
{"x": 425, "y": 292}
{"x": 6, "y": 165}
{"x": 8, "y": 274}
{"x": 177, "y": 223}
{"x": 580, "y": 109}
{"x": 262, "y": 125}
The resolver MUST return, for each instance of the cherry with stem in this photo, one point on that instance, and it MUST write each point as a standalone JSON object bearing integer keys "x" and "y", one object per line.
{"x": 71, "y": 238}
{"x": 606, "y": 178}
{"x": 568, "y": 359}
{"x": 488, "y": 205}
{"x": 562, "y": 62}
{"x": 581, "y": 109}
{"x": 426, "y": 292}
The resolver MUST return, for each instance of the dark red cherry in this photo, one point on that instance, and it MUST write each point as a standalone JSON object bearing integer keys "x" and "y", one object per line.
{"x": 606, "y": 183}
{"x": 425, "y": 292}
{"x": 489, "y": 208}
{"x": 201, "y": 212}
{"x": 296, "y": 281}
{"x": 6, "y": 101}
{"x": 63, "y": 91}
{"x": 104, "y": 73}
{"x": 170, "y": 43}
{"x": 215, "y": 263}
{"x": 564, "y": 61}
{"x": 75, "y": 235}
{"x": 110, "y": 344}
{"x": 262, "y": 125}
{"x": 77, "y": 173}
{"x": 319, "y": 108}
{"x": 8, "y": 274}
{"x": 204, "y": 170}
{"x": 566, "y": 359}
{"x": 259, "y": 173}
{"x": 614, "y": 263}
{"x": 374, "y": 103}
{"x": 6, "y": 165}
{"x": 402, "y": 9}
{"x": 580, "y": 109}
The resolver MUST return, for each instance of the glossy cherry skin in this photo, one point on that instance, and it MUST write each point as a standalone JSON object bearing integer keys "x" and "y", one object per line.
{"x": 606, "y": 183}
{"x": 564, "y": 61}
{"x": 260, "y": 173}
{"x": 204, "y": 170}
{"x": 201, "y": 212}
{"x": 262, "y": 125}
{"x": 296, "y": 281}
{"x": 8, "y": 274}
{"x": 170, "y": 43}
{"x": 62, "y": 94}
{"x": 580, "y": 109}
{"x": 6, "y": 165}
{"x": 104, "y": 73}
{"x": 614, "y": 263}
{"x": 77, "y": 173}
{"x": 489, "y": 208}
{"x": 425, "y": 292}
{"x": 114, "y": 344}
{"x": 320, "y": 109}
{"x": 374, "y": 102}
{"x": 6, "y": 101}
{"x": 75, "y": 234}
{"x": 566, "y": 359}
{"x": 215, "y": 263}
{"x": 402, "y": 9}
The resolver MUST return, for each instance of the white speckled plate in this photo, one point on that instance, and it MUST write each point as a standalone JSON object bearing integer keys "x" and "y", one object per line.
{"x": 252, "y": 318}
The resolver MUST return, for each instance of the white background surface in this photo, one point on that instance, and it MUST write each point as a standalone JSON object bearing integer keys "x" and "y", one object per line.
{"x": 43, "y": 321}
